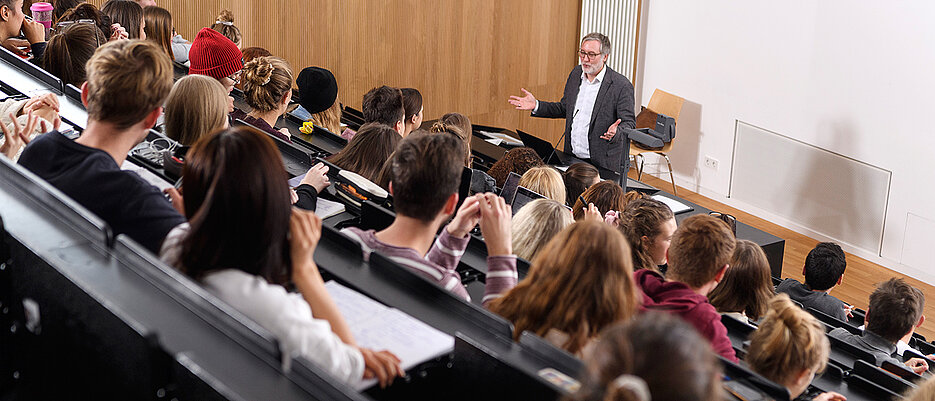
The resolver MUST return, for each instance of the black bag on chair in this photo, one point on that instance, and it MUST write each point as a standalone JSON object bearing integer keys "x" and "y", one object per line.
{"x": 654, "y": 138}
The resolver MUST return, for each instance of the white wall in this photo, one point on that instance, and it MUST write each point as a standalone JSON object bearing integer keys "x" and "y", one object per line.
{"x": 854, "y": 77}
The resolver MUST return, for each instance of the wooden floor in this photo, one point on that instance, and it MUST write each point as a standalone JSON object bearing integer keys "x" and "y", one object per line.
{"x": 859, "y": 278}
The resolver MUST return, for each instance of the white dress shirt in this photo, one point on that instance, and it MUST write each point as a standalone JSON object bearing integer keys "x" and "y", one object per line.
{"x": 584, "y": 106}
{"x": 285, "y": 315}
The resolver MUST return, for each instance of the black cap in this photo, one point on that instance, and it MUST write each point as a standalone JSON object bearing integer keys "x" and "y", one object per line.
{"x": 317, "y": 89}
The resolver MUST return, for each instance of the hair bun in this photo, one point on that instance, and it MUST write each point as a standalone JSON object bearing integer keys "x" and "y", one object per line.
{"x": 259, "y": 71}
{"x": 226, "y": 16}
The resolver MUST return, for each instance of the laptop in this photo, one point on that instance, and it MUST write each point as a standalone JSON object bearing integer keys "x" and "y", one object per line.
{"x": 510, "y": 186}
{"x": 543, "y": 148}
{"x": 524, "y": 196}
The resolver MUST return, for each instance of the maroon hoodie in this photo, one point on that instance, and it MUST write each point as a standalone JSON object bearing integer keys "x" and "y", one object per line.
{"x": 677, "y": 298}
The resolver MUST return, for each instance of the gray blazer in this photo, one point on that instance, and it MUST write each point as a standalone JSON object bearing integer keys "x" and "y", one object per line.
{"x": 614, "y": 100}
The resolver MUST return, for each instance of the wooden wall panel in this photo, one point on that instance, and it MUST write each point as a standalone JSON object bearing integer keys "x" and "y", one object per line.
{"x": 463, "y": 55}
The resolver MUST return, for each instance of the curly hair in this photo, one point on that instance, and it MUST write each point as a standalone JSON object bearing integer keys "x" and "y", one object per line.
{"x": 518, "y": 160}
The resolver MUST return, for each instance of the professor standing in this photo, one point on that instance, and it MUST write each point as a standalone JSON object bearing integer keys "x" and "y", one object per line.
{"x": 597, "y": 100}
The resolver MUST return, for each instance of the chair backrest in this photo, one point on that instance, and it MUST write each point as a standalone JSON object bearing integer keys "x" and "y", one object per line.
{"x": 666, "y": 103}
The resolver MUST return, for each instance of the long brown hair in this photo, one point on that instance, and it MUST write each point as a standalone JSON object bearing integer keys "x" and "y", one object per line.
{"x": 643, "y": 218}
{"x": 237, "y": 201}
{"x": 159, "y": 27}
{"x": 579, "y": 283}
{"x": 461, "y": 121}
{"x": 605, "y": 195}
{"x": 366, "y": 153}
{"x": 638, "y": 347}
{"x": 578, "y": 177}
{"x": 68, "y": 51}
{"x": 196, "y": 107}
{"x": 128, "y": 14}
{"x": 788, "y": 341}
{"x": 747, "y": 286}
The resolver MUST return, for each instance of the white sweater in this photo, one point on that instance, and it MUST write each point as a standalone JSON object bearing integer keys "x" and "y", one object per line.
{"x": 286, "y": 315}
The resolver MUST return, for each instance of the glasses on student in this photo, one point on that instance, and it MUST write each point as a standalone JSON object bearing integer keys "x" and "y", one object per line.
{"x": 730, "y": 220}
{"x": 235, "y": 77}
{"x": 588, "y": 55}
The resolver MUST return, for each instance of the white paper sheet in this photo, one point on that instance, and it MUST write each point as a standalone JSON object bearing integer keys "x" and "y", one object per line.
{"x": 676, "y": 206}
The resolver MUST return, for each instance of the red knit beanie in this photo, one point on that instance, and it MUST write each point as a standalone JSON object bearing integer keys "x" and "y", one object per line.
{"x": 214, "y": 55}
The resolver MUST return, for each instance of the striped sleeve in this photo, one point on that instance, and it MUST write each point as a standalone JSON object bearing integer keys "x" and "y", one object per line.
{"x": 501, "y": 277}
{"x": 447, "y": 250}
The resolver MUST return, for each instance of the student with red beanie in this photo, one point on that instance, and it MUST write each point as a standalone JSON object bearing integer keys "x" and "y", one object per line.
{"x": 216, "y": 56}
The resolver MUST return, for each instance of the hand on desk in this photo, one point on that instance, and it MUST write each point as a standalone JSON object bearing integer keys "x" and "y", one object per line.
{"x": 830, "y": 396}
{"x": 611, "y": 131}
{"x": 19, "y": 47}
{"x": 317, "y": 177}
{"x": 917, "y": 365}
{"x": 527, "y": 102}
{"x": 381, "y": 365}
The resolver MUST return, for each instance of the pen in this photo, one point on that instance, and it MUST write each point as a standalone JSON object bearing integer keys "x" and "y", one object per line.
{"x": 584, "y": 202}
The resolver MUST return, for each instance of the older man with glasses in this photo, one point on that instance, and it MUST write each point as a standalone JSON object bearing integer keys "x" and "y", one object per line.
{"x": 597, "y": 106}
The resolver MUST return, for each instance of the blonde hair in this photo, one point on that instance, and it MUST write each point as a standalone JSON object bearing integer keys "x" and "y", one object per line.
{"x": 536, "y": 223}
{"x": 225, "y": 26}
{"x": 545, "y": 181}
{"x": 925, "y": 392}
{"x": 788, "y": 341}
{"x": 579, "y": 283}
{"x": 329, "y": 119}
{"x": 197, "y": 106}
{"x": 265, "y": 81}
{"x": 127, "y": 80}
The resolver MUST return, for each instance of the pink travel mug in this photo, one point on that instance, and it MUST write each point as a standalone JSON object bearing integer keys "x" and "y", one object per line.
{"x": 42, "y": 13}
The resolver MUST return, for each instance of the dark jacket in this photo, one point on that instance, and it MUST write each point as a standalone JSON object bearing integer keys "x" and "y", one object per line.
{"x": 820, "y": 300}
{"x": 677, "y": 298}
{"x": 614, "y": 101}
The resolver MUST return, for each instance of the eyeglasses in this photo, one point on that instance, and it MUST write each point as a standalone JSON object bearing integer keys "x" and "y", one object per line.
{"x": 730, "y": 220}
{"x": 588, "y": 56}
{"x": 235, "y": 77}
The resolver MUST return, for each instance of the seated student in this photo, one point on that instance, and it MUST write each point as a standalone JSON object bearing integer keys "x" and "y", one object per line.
{"x": 746, "y": 289}
{"x": 318, "y": 100}
{"x": 267, "y": 88}
{"x": 578, "y": 284}
{"x": 789, "y": 348}
{"x": 128, "y": 14}
{"x": 62, "y": 6}
{"x": 16, "y": 117}
{"x": 385, "y": 105}
{"x": 217, "y": 57}
{"x": 158, "y": 28}
{"x": 698, "y": 258}
{"x": 578, "y": 178}
{"x": 368, "y": 151}
{"x": 424, "y": 175}
{"x": 69, "y": 50}
{"x": 535, "y": 224}
{"x": 196, "y": 107}
{"x": 246, "y": 261}
{"x": 895, "y": 311}
{"x": 128, "y": 81}
{"x": 654, "y": 356}
{"x": 412, "y": 106}
{"x": 824, "y": 269}
{"x": 605, "y": 195}
{"x": 13, "y": 21}
{"x": 480, "y": 180}
{"x": 225, "y": 26}
{"x": 545, "y": 181}
{"x": 517, "y": 160}
{"x": 648, "y": 225}
{"x": 87, "y": 12}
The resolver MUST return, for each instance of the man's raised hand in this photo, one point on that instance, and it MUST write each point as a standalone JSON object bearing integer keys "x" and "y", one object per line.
{"x": 526, "y": 102}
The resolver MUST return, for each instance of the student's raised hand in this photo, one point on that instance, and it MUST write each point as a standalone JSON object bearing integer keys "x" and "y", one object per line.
{"x": 381, "y": 365}
{"x": 304, "y": 233}
{"x": 34, "y": 31}
{"x": 496, "y": 224}
{"x": 19, "y": 137}
{"x": 849, "y": 310}
{"x": 917, "y": 365}
{"x": 317, "y": 177}
{"x": 830, "y": 396}
{"x": 592, "y": 213}
{"x": 465, "y": 218}
{"x": 19, "y": 47}
{"x": 526, "y": 102}
{"x": 117, "y": 33}
{"x": 611, "y": 131}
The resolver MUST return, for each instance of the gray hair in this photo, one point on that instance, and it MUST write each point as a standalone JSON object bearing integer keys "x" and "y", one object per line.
{"x": 601, "y": 38}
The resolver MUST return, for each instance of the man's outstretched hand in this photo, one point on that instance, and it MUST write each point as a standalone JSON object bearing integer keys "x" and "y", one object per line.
{"x": 611, "y": 131}
{"x": 526, "y": 102}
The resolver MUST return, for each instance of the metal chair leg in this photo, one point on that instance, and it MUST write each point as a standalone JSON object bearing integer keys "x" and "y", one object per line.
{"x": 639, "y": 171}
{"x": 671, "y": 176}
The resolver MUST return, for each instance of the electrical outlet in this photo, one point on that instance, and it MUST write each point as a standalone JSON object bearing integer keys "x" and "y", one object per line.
{"x": 710, "y": 162}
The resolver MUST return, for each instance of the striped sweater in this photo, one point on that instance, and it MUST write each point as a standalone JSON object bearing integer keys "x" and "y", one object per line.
{"x": 439, "y": 264}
